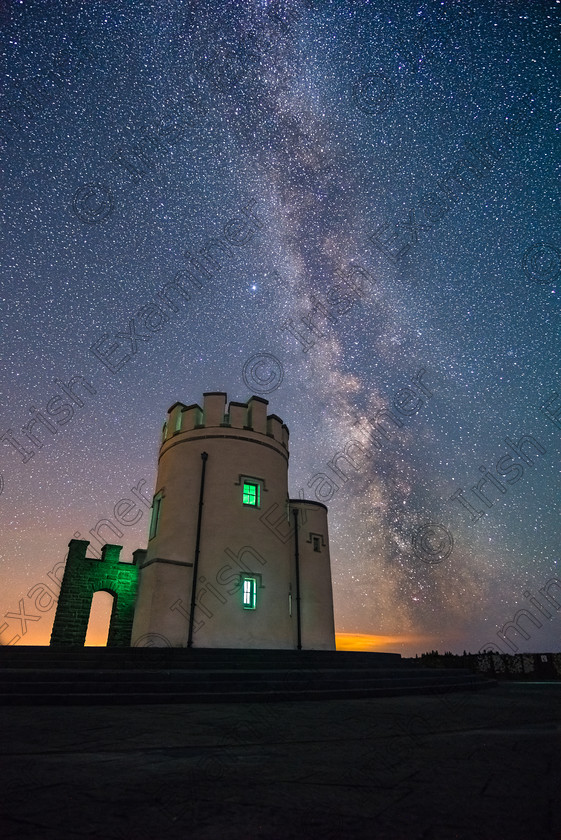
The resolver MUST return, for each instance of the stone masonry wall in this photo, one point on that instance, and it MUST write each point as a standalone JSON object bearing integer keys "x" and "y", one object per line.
{"x": 83, "y": 576}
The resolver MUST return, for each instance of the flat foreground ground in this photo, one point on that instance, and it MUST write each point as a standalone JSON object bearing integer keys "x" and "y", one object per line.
{"x": 472, "y": 766}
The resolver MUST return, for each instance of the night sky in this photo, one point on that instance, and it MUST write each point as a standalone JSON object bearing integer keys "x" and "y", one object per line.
{"x": 399, "y": 165}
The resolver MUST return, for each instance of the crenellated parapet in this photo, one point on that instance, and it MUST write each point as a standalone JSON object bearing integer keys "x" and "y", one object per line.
{"x": 216, "y": 413}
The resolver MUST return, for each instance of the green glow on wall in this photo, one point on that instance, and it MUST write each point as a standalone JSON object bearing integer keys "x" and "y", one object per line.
{"x": 83, "y": 577}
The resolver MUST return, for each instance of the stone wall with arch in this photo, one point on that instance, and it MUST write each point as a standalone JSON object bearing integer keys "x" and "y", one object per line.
{"x": 83, "y": 577}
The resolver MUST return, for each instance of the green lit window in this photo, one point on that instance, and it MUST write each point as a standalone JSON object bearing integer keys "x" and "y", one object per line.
{"x": 178, "y": 420}
{"x": 155, "y": 521}
{"x": 249, "y": 593}
{"x": 251, "y": 494}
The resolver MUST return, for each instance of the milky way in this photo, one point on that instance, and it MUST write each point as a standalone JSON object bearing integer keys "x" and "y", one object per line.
{"x": 396, "y": 302}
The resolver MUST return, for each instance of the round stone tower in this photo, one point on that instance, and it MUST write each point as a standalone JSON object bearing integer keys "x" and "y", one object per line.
{"x": 226, "y": 556}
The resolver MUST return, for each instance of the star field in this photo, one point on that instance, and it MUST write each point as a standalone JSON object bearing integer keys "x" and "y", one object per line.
{"x": 399, "y": 163}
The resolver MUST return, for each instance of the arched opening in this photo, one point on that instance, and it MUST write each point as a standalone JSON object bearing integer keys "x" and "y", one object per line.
{"x": 100, "y": 617}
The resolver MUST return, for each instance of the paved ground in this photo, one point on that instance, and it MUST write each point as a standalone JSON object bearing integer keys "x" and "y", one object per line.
{"x": 483, "y": 766}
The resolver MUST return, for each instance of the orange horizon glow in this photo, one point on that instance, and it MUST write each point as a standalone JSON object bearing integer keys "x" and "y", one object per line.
{"x": 407, "y": 644}
{"x": 343, "y": 641}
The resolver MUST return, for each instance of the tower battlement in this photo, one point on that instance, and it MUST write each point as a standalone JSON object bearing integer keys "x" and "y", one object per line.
{"x": 216, "y": 413}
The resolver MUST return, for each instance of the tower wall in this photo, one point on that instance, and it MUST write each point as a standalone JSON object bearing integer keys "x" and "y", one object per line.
{"x": 240, "y": 443}
{"x": 316, "y": 594}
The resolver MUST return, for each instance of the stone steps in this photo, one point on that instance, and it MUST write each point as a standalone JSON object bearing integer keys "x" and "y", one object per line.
{"x": 82, "y": 676}
{"x": 157, "y": 682}
{"x": 196, "y": 658}
{"x": 147, "y": 698}
{"x": 197, "y": 675}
